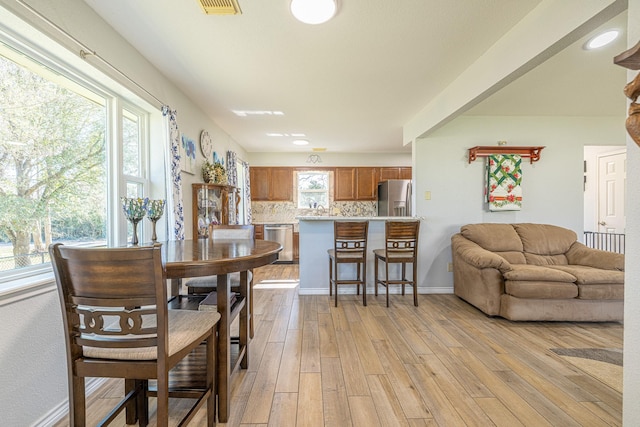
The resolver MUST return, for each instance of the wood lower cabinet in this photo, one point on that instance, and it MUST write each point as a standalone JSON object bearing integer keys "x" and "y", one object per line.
{"x": 296, "y": 246}
{"x": 259, "y": 231}
{"x": 271, "y": 184}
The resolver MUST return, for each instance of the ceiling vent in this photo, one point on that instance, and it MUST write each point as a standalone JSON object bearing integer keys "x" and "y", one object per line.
{"x": 220, "y": 7}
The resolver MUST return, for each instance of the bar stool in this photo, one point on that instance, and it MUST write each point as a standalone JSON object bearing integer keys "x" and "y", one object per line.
{"x": 401, "y": 247}
{"x": 350, "y": 247}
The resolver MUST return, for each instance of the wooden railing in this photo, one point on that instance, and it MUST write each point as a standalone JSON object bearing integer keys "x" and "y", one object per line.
{"x": 612, "y": 242}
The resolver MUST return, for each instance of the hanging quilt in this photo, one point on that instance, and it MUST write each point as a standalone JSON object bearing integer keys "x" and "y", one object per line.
{"x": 504, "y": 192}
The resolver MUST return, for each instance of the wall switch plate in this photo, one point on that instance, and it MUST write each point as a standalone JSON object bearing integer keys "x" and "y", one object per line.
{"x": 450, "y": 267}
{"x": 427, "y": 195}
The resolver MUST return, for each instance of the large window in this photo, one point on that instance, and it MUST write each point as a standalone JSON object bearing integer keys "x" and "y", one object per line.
{"x": 63, "y": 140}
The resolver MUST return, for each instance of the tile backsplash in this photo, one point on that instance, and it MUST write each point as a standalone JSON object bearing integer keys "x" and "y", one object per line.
{"x": 286, "y": 212}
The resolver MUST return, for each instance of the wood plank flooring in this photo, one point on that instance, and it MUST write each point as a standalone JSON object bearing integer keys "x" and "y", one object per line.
{"x": 443, "y": 363}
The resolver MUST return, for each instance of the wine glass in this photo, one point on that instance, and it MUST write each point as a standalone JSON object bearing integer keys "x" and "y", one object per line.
{"x": 134, "y": 209}
{"x": 155, "y": 209}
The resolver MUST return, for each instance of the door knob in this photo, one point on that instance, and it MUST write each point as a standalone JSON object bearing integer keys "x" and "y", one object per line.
{"x": 602, "y": 223}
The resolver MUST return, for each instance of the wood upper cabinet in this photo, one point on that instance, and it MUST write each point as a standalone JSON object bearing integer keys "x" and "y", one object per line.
{"x": 366, "y": 183}
{"x": 271, "y": 183}
{"x": 395, "y": 173}
{"x": 345, "y": 179}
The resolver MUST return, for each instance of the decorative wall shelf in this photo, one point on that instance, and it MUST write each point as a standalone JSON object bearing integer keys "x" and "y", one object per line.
{"x": 533, "y": 153}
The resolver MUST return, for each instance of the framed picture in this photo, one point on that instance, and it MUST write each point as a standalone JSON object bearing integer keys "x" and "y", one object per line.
{"x": 188, "y": 155}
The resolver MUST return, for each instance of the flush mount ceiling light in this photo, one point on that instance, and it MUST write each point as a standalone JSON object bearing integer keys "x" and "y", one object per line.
{"x": 300, "y": 142}
{"x": 601, "y": 39}
{"x": 313, "y": 11}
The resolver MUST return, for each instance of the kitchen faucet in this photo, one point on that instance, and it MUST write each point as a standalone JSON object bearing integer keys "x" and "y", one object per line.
{"x": 320, "y": 207}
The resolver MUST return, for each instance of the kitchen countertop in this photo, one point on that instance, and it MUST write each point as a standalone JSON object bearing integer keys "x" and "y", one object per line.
{"x": 358, "y": 218}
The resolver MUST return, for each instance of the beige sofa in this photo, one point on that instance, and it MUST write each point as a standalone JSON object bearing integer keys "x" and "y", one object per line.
{"x": 536, "y": 272}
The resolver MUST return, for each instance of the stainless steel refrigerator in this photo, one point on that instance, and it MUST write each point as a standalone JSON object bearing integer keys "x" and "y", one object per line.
{"x": 394, "y": 197}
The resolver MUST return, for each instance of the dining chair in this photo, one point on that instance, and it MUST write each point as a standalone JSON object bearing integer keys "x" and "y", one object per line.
{"x": 207, "y": 284}
{"x": 349, "y": 247}
{"x": 117, "y": 325}
{"x": 401, "y": 247}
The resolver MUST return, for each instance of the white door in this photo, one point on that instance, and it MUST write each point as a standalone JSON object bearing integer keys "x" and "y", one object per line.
{"x": 612, "y": 179}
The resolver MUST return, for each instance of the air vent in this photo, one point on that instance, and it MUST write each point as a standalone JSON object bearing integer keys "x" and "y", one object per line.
{"x": 220, "y": 7}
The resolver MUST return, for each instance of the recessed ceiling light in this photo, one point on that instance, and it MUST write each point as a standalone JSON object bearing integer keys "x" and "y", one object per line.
{"x": 602, "y": 39}
{"x": 313, "y": 11}
{"x": 300, "y": 142}
{"x": 245, "y": 113}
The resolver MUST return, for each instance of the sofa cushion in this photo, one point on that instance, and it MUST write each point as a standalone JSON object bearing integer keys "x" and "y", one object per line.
{"x": 589, "y": 275}
{"x": 522, "y": 272}
{"x": 493, "y": 237}
{"x": 545, "y": 239}
{"x": 601, "y": 292}
{"x": 540, "y": 289}
{"x": 536, "y": 259}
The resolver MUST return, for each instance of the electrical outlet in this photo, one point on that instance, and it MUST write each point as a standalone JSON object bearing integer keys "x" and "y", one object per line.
{"x": 450, "y": 267}
{"x": 427, "y": 195}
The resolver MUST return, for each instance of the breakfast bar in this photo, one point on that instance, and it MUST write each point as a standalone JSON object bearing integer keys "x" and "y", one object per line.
{"x": 316, "y": 237}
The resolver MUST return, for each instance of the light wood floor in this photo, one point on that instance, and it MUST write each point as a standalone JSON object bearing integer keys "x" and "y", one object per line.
{"x": 443, "y": 363}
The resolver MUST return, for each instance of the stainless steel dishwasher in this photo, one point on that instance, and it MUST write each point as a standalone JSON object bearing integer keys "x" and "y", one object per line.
{"x": 283, "y": 234}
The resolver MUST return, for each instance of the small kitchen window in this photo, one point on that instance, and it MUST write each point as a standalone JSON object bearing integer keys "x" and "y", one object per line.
{"x": 313, "y": 189}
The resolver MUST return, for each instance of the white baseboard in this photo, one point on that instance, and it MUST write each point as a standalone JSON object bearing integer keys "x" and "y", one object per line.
{"x": 60, "y": 411}
{"x": 344, "y": 290}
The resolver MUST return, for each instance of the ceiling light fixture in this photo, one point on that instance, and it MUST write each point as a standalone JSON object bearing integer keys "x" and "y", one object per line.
{"x": 301, "y": 142}
{"x": 313, "y": 11}
{"x": 602, "y": 39}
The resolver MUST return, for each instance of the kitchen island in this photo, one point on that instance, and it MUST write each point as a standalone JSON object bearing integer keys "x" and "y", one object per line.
{"x": 316, "y": 237}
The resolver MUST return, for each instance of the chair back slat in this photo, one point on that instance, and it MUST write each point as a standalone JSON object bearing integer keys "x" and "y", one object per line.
{"x": 350, "y": 237}
{"x": 112, "y": 297}
{"x": 402, "y": 238}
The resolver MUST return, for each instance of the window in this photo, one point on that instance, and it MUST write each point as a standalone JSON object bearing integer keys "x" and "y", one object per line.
{"x": 66, "y": 147}
{"x": 313, "y": 190}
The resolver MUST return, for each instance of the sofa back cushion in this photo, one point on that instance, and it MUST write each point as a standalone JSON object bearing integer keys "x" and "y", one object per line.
{"x": 498, "y": 238}
{"x": 545, "y": 244}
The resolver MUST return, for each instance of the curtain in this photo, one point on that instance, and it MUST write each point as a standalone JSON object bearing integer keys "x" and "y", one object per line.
{"x": 175, "y": 215}
{"x": 247, "y": 190}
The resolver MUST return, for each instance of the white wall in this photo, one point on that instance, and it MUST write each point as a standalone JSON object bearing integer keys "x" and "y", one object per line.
{"x": 32, "y": 359}
{"x": 552, "y": 187}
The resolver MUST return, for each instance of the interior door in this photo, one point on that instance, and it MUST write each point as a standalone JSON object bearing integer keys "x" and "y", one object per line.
{"x": 612, "y": 178}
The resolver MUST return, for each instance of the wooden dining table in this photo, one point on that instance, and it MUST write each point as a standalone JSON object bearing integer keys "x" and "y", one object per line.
{"x": 220, "y": 257}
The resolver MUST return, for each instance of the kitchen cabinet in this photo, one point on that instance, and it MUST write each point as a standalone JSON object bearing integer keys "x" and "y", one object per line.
{"x": 296, "y": 246}
{"x": 394, "y": 173}
{"x": 356, "y": 183}
{"x": 366, "y": 183}
{"x": 271, "y": 184}
{"x": 258, "y": 230}
{"x": 344, "y": 184}
{"x": 210, "y": 205}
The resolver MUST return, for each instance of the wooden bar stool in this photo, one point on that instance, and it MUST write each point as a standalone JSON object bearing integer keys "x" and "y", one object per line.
{"x": 350, "y": 247}
{"x": 401, "y": 247}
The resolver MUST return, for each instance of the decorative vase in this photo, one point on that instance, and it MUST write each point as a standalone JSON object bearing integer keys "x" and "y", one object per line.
{"x": 155, "y": 209}
{"x": 134, "y": 210}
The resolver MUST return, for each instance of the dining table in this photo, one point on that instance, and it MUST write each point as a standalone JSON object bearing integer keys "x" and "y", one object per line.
{"x": 220, "y": 257}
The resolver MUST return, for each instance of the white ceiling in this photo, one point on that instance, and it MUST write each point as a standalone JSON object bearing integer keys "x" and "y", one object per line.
{"x": 351, "y": 84}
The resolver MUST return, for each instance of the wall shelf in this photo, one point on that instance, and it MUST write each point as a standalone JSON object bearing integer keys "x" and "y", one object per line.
{"x": 533, "y": 153}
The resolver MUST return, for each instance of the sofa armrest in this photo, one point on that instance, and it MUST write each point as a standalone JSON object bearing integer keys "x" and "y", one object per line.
{"x": 579, "y": 254}
{"x": 475, "y": 255}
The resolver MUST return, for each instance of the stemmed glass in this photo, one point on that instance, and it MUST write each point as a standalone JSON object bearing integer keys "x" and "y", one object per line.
{"x": 134, "y": 209}
{"x": 155, "y": 209}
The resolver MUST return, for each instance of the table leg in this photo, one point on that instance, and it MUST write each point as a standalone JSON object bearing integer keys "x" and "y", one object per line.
{"x": 224, "y": 348}
{"x": 244, "y": 316}
{"x": 176, "y": 285}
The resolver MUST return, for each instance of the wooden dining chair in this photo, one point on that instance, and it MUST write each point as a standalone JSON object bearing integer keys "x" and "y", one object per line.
{"x": 207, "y": 284}
{"x": 349, "y": 247}
{"x": 117, "y": 325}
{"x": 401, "y": 247}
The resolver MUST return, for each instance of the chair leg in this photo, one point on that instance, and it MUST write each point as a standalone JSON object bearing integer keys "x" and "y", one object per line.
{"x": 364, "y": 284}
{"x": 330, "y": 276}
{"x": 358, "y": 273}
{"x": 404, "y": 277}
{"x": 77, "y": 408}
{"x": 386, "y": 278}
{"x": 162, "y": 399}
{"x": 251, "y": 306}
{"x": 211, "y": 379}
{"x": 335, "y": 281}
{"x": 142, "y": 403}
{"x": 414, "y": 270}
{"x": 375, "y": 274}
